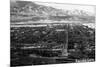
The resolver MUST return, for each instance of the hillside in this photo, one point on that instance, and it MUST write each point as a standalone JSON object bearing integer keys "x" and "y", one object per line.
{"x": 23, "y": 11}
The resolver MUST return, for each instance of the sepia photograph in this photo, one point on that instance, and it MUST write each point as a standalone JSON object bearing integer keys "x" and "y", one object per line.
{"x": 43, "y": 33}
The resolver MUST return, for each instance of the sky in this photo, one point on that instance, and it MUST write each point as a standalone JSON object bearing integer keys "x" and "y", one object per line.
{"x": 87, "y": 8}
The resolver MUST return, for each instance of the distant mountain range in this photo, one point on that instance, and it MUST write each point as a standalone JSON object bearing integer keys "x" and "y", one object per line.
{"x": 30, "y": 11}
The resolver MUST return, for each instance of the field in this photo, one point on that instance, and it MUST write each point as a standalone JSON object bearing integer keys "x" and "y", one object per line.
{"x": 38, "y": 44}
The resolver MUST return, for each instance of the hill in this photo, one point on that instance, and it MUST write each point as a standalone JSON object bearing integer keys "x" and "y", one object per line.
{"x": 23, "y": 11}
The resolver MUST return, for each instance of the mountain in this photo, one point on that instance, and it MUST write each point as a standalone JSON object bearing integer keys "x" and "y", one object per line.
{"x": 30, "y": 8}
{"x": 30, "y": 11}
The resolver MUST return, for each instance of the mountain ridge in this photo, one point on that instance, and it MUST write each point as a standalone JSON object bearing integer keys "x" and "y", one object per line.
{"x": 29, "y": 10}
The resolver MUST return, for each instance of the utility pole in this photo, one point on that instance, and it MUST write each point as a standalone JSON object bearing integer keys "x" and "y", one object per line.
{"x": 65, "y": 46}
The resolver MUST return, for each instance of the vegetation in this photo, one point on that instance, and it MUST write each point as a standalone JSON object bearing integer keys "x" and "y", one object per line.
{"x": 81, "y": 42}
